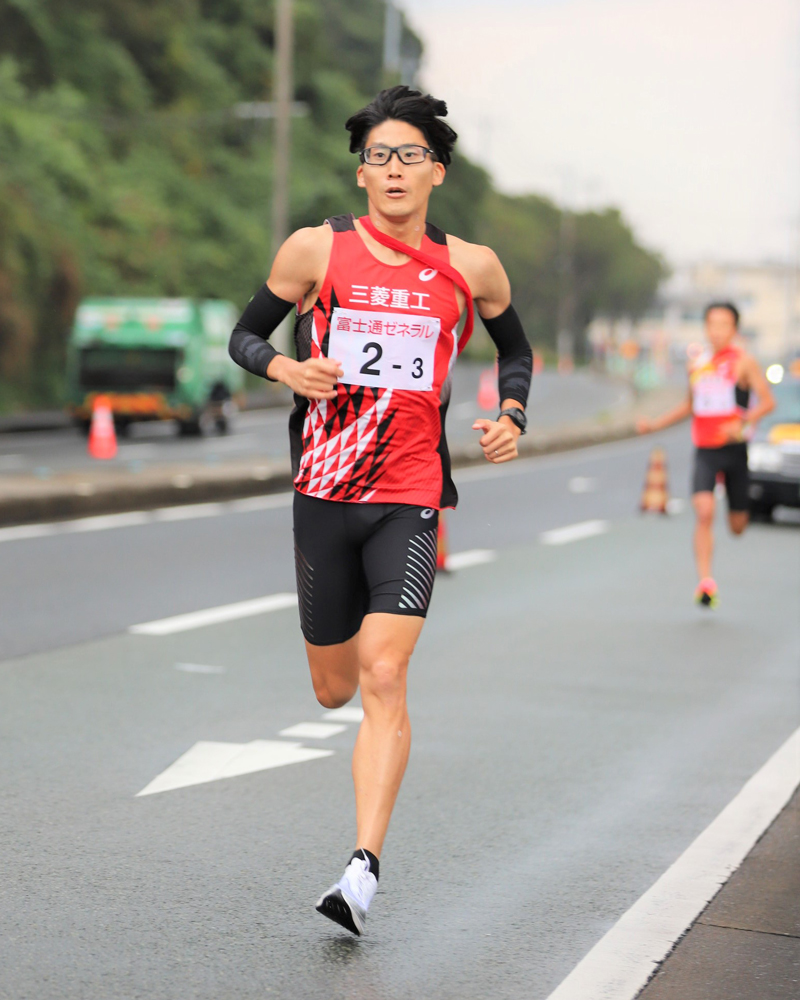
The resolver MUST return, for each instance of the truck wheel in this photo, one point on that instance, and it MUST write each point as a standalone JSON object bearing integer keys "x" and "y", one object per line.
{"x": 190, "y": 428}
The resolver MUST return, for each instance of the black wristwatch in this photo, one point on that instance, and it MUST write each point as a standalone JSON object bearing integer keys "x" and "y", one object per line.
{"x": 517, "y": 415}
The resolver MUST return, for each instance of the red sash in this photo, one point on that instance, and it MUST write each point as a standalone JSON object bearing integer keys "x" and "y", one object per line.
{"x": 433, "y": 262}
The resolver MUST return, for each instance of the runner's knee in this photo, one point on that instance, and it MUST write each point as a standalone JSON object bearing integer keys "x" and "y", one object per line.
{"x": 704, "y": 508}
{"x": 332, "y": 693}
{"x": 384, "y": 677}
{"x": 738, "y": 522}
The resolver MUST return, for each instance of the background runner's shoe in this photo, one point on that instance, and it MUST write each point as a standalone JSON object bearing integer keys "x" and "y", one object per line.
{"x": 706, "y": 593}
{"x": 347, "y": 901}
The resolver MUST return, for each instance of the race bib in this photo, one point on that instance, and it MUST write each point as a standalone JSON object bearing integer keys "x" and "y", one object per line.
{"x": 384, "y": 350}
{"x": 713, "y": 396}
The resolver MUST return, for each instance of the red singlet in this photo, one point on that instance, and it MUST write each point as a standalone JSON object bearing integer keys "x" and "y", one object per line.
{"x": 393, "y": 328}
{"x": 712, "y": 378}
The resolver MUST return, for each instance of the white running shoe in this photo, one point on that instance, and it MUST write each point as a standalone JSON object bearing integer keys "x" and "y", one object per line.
{"x": 347, "y": 902}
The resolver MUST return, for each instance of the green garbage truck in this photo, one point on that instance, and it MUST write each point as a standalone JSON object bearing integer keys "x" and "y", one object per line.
{"x": 155, "y": 359}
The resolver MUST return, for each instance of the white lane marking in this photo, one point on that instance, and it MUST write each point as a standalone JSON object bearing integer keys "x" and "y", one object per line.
{"x": 199, "y": 668}
{"x": 188, "y": 512}
{"x": 624, "y": 959}
{"x": 313, "y": 730}
{"x": 573, "y": 532}
{"x": 24, "y": 531}
{"x": 582, "y": 484}
{"x": 348, "y": 713}
{"x": 133, "y": 518}
{"x": 209, "y": 761}
{"x": 213, "y": 616}
{"x": 102, "y": 522}
{"x": 472, "y": 557}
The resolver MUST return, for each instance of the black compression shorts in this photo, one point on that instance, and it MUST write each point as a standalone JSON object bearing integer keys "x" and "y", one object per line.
{"x": 730, "y": 462}
{"x": 353, "y": 559}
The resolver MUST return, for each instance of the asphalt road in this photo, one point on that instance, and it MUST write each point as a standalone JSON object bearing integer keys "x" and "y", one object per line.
{"x": 577, "y": 722}
{"x": 554, "y": 400}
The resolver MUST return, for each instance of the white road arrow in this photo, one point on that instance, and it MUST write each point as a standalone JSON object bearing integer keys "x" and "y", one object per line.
{"x": 207, "y": 761}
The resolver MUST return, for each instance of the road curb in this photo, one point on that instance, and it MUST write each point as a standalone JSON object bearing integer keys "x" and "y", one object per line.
{"x": 26, "y": 499}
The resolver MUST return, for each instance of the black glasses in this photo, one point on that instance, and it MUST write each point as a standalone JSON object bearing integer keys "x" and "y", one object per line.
{"x": 379, "y": 156}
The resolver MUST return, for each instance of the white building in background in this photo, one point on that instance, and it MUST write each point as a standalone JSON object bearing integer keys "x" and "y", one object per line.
{"x": 767, "y": 296}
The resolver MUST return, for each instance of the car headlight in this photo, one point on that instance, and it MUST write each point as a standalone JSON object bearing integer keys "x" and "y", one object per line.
{"x": 764, "y": 458}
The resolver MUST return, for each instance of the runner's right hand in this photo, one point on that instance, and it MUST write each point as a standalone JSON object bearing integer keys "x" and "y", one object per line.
{"x": 315, "y": 378}
{"x": 644, "y": 426}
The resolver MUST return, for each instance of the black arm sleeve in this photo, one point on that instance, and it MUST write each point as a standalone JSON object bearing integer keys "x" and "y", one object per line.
{"x": 249, "y": 344}
{"x": 514, "y": 355}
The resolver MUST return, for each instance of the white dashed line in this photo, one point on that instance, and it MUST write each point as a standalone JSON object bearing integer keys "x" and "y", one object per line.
{"x": 349, "y": 713}
{"x": 213, "y": 616}
{"x": 472, "y": 557}
{"x": 574, "y": 532}
{"x": 623, "y": 960}
{"x": 199, "y": 668}
{"x": 582, "y": 484}
{"x": 313, "y": 730}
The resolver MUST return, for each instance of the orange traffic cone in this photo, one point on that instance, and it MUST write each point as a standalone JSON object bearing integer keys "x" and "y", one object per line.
{"x": 102, "y": 436}
{"x": 441, "y": 545}
{"x": 488, "y": 396}
{"x": 655, "y": 495}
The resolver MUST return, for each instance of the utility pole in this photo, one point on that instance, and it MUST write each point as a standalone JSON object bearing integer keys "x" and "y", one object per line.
{"x": 282, "y": 87}
{"x": 282, "y": 96}
{"x": 565, "y": 334}
{"x": 392, "y": 38}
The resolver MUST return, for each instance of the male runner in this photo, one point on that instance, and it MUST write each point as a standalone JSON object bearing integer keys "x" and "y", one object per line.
{"x": 720, "y": 382}
{"x": 376, "y": 340}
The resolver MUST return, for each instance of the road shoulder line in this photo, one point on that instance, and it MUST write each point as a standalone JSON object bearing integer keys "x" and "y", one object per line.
{"x": 625, "y": 958}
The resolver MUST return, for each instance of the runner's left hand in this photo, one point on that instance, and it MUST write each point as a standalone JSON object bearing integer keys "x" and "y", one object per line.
{"x": 733, "y": 430}
{"x": 499, "y": 441}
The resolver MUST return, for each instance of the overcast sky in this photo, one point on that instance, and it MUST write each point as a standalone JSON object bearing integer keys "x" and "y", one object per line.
{"x": 685, "y": 113}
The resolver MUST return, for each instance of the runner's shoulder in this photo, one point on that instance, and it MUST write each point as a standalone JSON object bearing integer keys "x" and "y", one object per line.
{"x": 479, "y": 264}
{"x": 315, "y": 240}
{"x": 305, "y": 254}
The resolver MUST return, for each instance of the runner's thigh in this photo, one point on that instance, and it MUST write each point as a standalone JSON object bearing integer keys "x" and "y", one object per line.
{"x": 737, "y": 478}
{"x": 331, "y": 588}
{"x": 399, "y": 560}
{"x": 705, "y": 469}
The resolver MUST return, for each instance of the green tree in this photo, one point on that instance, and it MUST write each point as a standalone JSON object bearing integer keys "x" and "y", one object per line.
{"x": 124, "y": 169}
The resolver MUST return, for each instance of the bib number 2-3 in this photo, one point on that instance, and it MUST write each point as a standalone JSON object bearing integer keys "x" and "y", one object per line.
{"x": 417, "y": 369}
{"x": 384, "y": 350}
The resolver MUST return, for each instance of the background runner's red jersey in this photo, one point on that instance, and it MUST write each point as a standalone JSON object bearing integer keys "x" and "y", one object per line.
{"x": 381, "y": 440}
{"x": 715, "y": 400}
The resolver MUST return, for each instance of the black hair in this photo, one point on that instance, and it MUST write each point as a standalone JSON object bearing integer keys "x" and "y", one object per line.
{"x": 403, "y": 104}
{"x": 723, "y": 305}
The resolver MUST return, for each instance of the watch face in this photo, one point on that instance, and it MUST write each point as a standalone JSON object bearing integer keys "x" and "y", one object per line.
{"x": 518, "y": 416}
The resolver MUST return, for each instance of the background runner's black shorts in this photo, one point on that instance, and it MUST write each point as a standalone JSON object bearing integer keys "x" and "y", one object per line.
{"x": 356, "y": 558}
{"x": 731, "y": 461}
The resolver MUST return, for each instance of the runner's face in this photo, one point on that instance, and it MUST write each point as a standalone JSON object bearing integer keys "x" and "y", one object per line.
{"x": 399, "y": 190}
{"x": 720, "y": 328}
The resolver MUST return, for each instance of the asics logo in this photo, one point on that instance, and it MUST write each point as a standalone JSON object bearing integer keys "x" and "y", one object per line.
{"x": 427, "y": 513}
{"x": 428, "y": 274}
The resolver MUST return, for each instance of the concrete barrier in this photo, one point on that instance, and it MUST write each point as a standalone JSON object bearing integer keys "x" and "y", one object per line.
{"x": 26, "y": 499}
